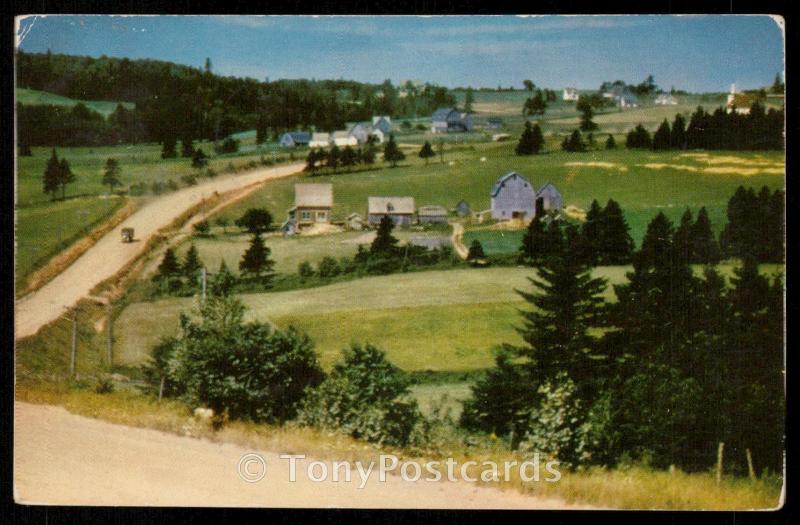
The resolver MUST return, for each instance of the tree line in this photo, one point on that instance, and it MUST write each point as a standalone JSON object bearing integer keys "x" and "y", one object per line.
{"x": 678, "y": 364}
{"x": 175, "y": 102}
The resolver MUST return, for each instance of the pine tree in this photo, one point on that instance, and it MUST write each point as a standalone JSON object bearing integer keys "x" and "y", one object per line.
{"x": 384, "y": 243}
{"x": 682, "y": 238}
{"x": 677, "y": 138}
{"x": 191, "y": 263}
{"x": 530, "y": 251}
{"x": 223, "y": 281}
{"x": 168, "y": 267}
{"x": 527, "y": 142}
{"x": 662, "y": 136}
{"x": 65, "y": 176}
{"x": 348, "y": 157}
{"x": 52, "y": 176}
{"x": 475, "y": 251}
{"x": 256, "y": 262}
{"x": 587, "y": 114}
{"x": 111, "y": 174}
{"x": 592, "y": 248}
{"x": 616, "y": 244}
{"x": 426, "y": 152}
{"x": 574, "y": 142}
{"x": 334, "y": 157}
{"x": 704, "y": 247}
{"x": 610, "y": 142}
{"x": 391, "y": 153}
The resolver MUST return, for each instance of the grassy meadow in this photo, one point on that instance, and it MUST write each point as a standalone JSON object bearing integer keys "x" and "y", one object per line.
{"x": 32, "y": 97}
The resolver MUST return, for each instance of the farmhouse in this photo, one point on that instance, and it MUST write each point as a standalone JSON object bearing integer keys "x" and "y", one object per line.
{"x": 399, "y": 209}
{"x": 342, "y": 139}
{"x": 514, "y": 197}
{"x": 312, "y": 204}
{"x": 320, "y": 140}
{"x": 494, "y": 123}
{"x": 449, "y": 120}
{"x": 570, "y": 94}
{"x": 665, "y": 99}
{"x": 622, "y": 96}
{"x": 294, "y": 139}
{"x": 432, "y": 215}
{"x": 741, "y": 102}
{"x": 362, "y": 131}
{"x": 383, "y": 123}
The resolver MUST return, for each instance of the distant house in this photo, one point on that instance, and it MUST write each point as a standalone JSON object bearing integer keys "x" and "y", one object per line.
{"x": 570, "y": 94}
{"x": 320, "y": 140}
{"x": 399, "y": 209}
{"x": 354, "y": 221}
{"x": 463, "y": 209}
{"x": 432, "y": 215}
{"x": 362, "y": 131}
{"x": 665, "y": 99}
{"x": 514, "y": 197}
{"x": 312, "y": 204}
{"x": 383, "y": 123}
{"x": 622, "y": 96}
{"x": 741, "y": 102}
{"x": 450, "y": 120}
{"x": 494, "y": 123}
{"x": 294, "y": 139}
{"x": 343, "y": 139}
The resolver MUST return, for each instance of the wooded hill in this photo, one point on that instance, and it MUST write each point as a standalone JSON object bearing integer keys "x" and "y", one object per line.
{"x": 176, "y": 102}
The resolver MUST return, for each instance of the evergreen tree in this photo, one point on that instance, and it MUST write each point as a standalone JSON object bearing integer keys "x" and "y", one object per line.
{"x": 392, "y": 153}
{"x": 312, "y": 158}
{"x": 704, "y": 247}
{"x": 616, "y": 244}
{"x": 584, "y": 105}
{"x": 662, "y": 137}
{"x": 610, "y": 142}
{"x": 52, "y": 176}
{"x": 682, "y": 238}
{"x": 638, "y": 137}
{"x": 426, "y": 152}
{"x": 384, "y": 243}
{"x": 677, "y": 138}
{"x": 535, "y": 105}
{"x": 256, "y": 262}
{"x": 592, "y": 248}
{"x": 65, "y": 176}
{"x": 223, "y": 281}
{"x": 531, "y": 140}
{"x": 333, "y": 158}
{"x": 469, "y": 99}
{"x": 475, "y": 251}
{"x": 191, "y": 264}
{"x": 348, "y": 157}
{"x": 573, "y": 143}
{"x": 530, "y": 251}
{"x": 199, "y": 159}
{"x": 111, "y": 174}
{"x": 169, "y": 266}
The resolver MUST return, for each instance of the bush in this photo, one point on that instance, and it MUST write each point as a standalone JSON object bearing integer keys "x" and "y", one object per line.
{"x": 305, "y": 271}
{"x": 365, "y": 396}
{"x": 104, "y": 385}
{"x": 190, "y": 179}
{"x": 202, "y": 228}
{"x": 171, "y": 185}
{"x": 229, "y": 145}
{"x": 328, "y": 267}
{"x": 245, "y": 370}
{"x": 138, "y": 189}
{"x": 210, "y": 173}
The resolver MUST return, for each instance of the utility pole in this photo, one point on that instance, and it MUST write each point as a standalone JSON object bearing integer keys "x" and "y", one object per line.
{"x": 203, "y": 280}
{"x": 110, "y": 333}
{"x": 74, "y": 352}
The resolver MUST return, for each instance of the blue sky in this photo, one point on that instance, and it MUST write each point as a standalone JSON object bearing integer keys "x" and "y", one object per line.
{"x": 697, "y": 53}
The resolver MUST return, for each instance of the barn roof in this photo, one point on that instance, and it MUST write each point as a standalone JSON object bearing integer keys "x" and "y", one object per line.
{"x": 313, "y": 195}
{"x": 300, "y": 136}
{"x": 548, "y": 185}
{"x": 503, "y": 179}
{"x": 431, "y": 211}
{"x": 442, "y": 113}
{"x": 403, "y": 205}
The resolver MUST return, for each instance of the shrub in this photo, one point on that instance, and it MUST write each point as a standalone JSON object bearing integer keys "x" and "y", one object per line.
{"x": 202, "y": 228}
{"x": 305, "y": 271}
{"x": 104, "y": 385}
{"x": 190, "y": 179}
{"x": 171, "y": 185}
{"x": 328, "y": 267}
{"x": 229, "y": 145}
{"x": 210, "y": 173}
{"x": 157, "y": 188}
{"x": 245, "y": 370}
{"x": 365, "y": 396}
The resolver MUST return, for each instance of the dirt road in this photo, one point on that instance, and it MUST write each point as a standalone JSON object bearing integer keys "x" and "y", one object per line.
{"x": 458, "y": 239}
{"x": 64, "y": 459}
{"x": 108, "y": 256}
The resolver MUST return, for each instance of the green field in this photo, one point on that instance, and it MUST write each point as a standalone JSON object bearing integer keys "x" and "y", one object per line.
{"x": 436, "y": 320}
{"x": 45, "y": 229}
{"x": 31, "y": 97}
{"x": 643, "y": 182}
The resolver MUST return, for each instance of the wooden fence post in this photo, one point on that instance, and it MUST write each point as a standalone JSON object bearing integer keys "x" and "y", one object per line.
{"x": 719, "y": 461}
{"x": 750, "y": 470}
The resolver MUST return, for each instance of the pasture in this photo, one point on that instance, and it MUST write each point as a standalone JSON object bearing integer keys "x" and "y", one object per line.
{"x": 435, "y": 320}
{"x": 32, "y": 97}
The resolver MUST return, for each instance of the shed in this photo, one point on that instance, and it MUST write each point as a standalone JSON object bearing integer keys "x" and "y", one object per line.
{"x": 354, "y": 221}
{"x": 399, "y": 209}
{"x": 463, "y": 209}
{"x": 432, "y": 215}
{"x": 548, "y": 199}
